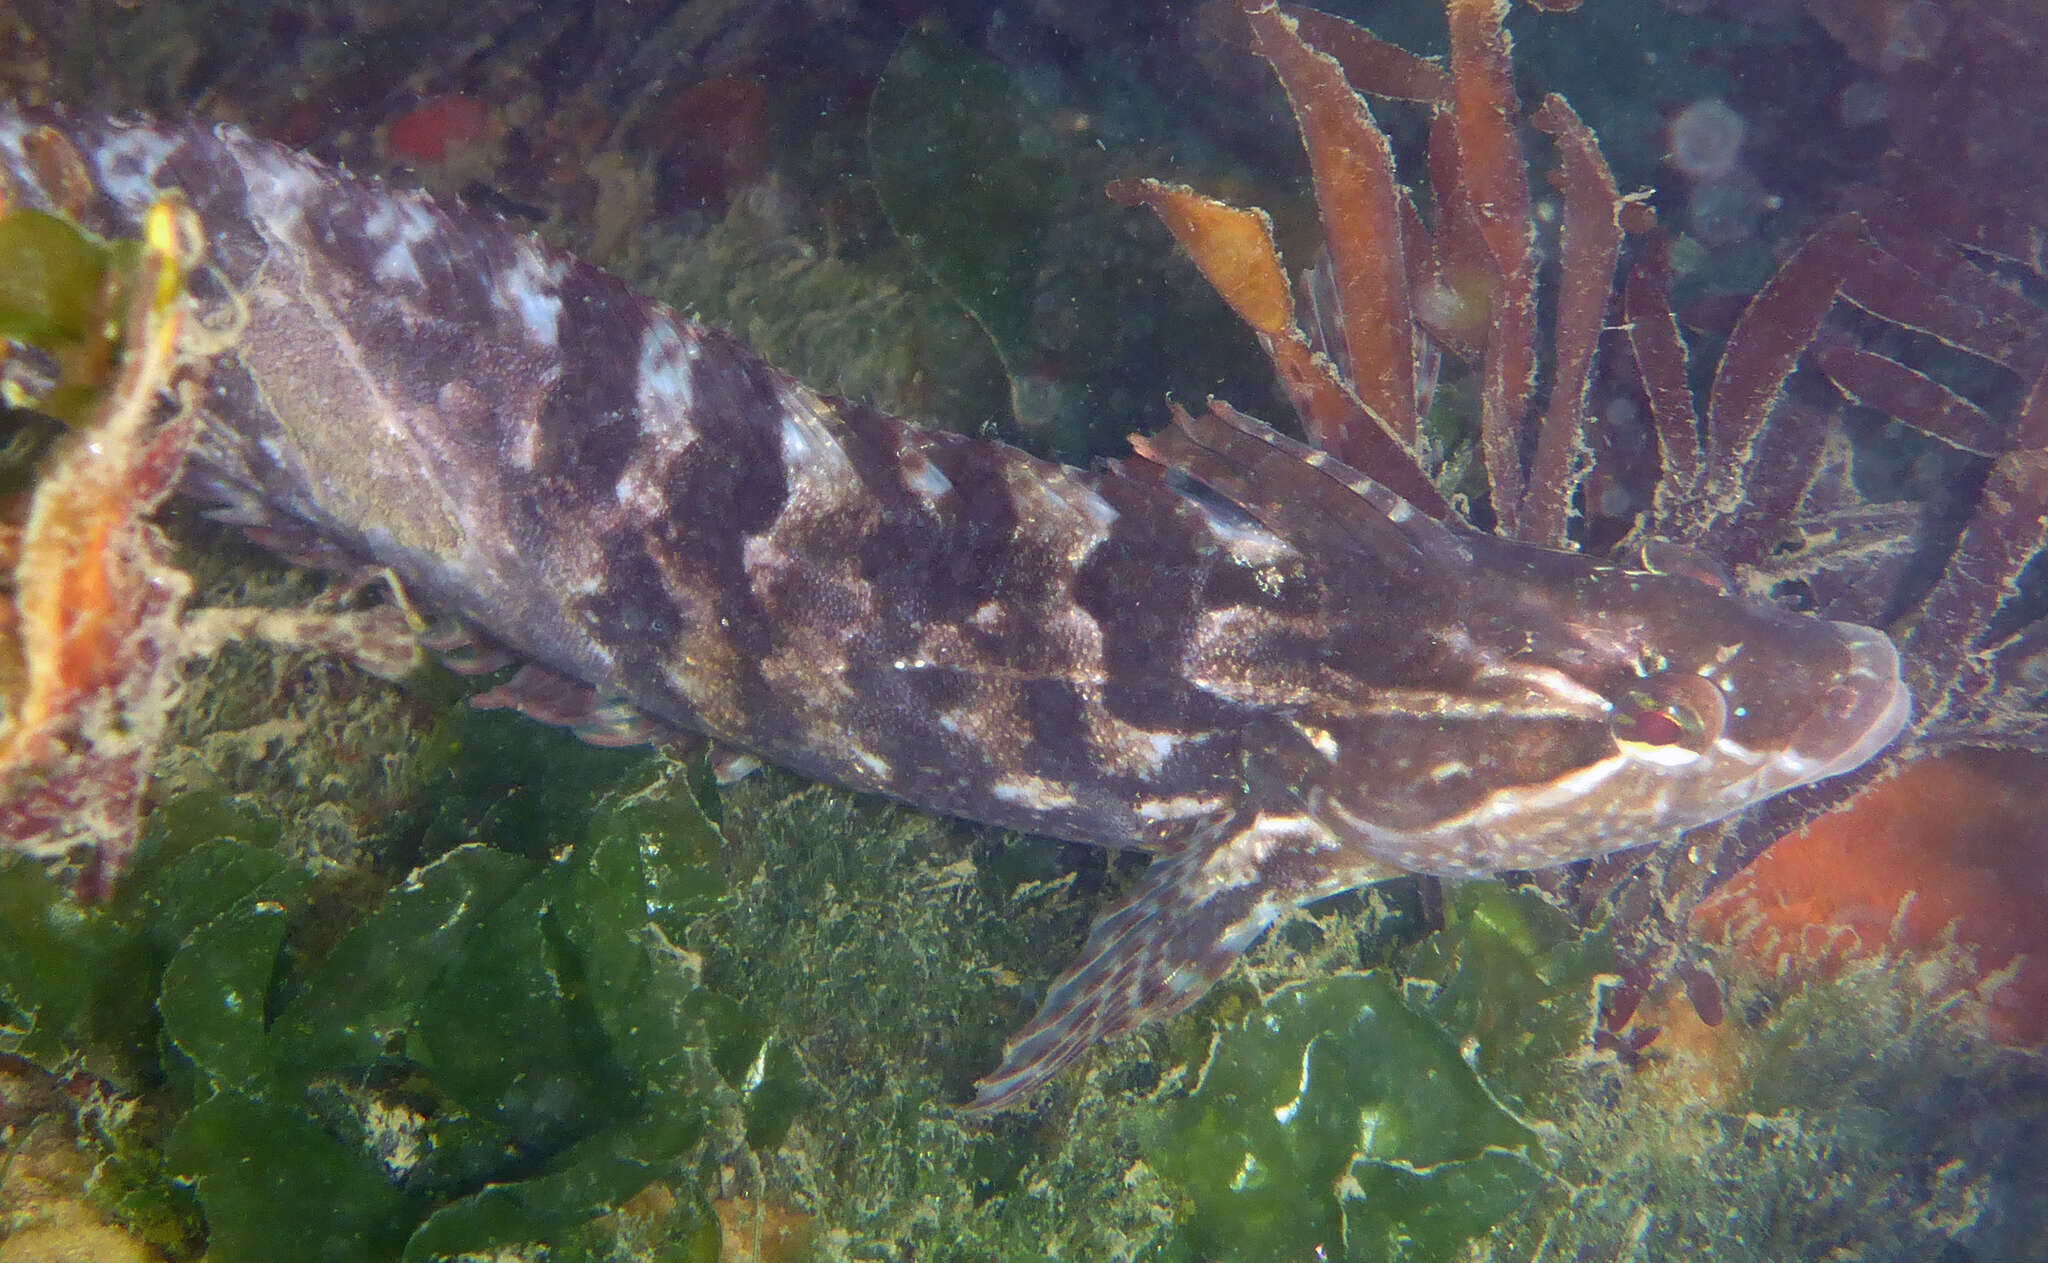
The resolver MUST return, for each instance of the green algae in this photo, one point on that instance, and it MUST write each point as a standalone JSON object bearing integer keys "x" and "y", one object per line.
{"x": 216, "y": 988}
{"x": 83, "y": 982}
{"x": 819, "y": 975}
{"x": 1860, "y": 1117}
{"x": 63, "y": 290}
{"x": 496, "y": 1051}
{"x": 1518, "y": 980}
{"x": 1367, "y": 1116}
{"x": 255, "y": 1164}
{"x": 58, "y": 286}
{"x": 51, "y": 292}
{"x": 862, "y": 323}
{"x": 896, "y": 957}
{"x": 1341, "y": 1088}
{"x": 991, "y": 176}
{"x": 46, "y": 963}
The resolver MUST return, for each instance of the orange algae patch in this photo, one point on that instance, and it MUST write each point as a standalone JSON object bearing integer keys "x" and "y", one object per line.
{"x": 1956, "y": 845}
{"x": 82, "y": 567}
{"x": 761, "y": 1231}
{"x": 76, "y": 607}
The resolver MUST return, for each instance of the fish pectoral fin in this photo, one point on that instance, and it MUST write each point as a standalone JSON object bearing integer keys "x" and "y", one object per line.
{"x": 549, "y": 697}
{"x": 730, "y": 766}
{"x": 1188, "y": 922}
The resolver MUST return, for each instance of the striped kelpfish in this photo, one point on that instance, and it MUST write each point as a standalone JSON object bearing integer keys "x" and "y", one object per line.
{"x": 1231, "y": 652}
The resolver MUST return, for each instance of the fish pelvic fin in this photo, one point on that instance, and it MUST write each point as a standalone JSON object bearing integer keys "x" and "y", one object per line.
{"x": 1192, "y": 917}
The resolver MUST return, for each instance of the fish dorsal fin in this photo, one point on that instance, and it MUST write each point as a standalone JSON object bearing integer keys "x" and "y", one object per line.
{"x": 1307, "y": 497}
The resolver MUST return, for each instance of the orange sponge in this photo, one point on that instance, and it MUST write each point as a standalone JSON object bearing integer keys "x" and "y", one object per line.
{"x": 1957, "y": 844}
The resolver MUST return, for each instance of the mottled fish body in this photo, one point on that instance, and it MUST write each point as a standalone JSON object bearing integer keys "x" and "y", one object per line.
{"x": 1232, "y": 652}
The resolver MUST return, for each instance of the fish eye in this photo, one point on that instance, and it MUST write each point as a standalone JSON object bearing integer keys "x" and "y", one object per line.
{"x": 1643, "y": 720}
{"x": 1671, "y": 717}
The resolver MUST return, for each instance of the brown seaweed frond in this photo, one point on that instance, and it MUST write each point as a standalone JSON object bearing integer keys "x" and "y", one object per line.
{"x": 1493, "y": 177}
{"x": 1954, "y": 661}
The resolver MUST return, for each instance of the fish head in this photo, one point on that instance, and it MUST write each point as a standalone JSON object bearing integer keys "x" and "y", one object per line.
{"x": 1567, "y": 707}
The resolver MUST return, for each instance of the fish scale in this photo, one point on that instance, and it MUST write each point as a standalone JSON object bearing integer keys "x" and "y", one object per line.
{"x": 1230, "y": 651}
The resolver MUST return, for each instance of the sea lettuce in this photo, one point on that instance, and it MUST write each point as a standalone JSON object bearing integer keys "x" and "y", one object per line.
{"x": 496, "y": 1050}
{"x": 1380, "y": 1115}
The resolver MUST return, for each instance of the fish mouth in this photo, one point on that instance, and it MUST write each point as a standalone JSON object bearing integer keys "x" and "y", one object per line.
{"x": 1857, "y": 716}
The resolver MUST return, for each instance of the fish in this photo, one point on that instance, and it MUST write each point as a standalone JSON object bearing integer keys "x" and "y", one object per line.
{"x": 1228, "y": 650}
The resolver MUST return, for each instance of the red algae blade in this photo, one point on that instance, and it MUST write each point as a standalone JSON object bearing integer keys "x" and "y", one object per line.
{"x": 1950, "y": 669}
{"x": 1232, "y": 246}
{"x": 1774, "y": 331}
{"x": 1372, "y": 65}
{"x": 1885, "y": 385}
{"x": 1361, "y": 209}
{"x": 1590, "y": 251}
{"x": 1495, "y": 178}
{"x": 1791, "y": 450}
{"x": 1922, "y": 283}
{"x": 60, "y": 170}
{"x": 1234, "y": 250}
{"x": 1660, "y": 361}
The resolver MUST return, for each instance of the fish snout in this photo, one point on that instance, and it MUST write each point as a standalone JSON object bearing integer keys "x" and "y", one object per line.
{"x": 1854, "y": 717}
